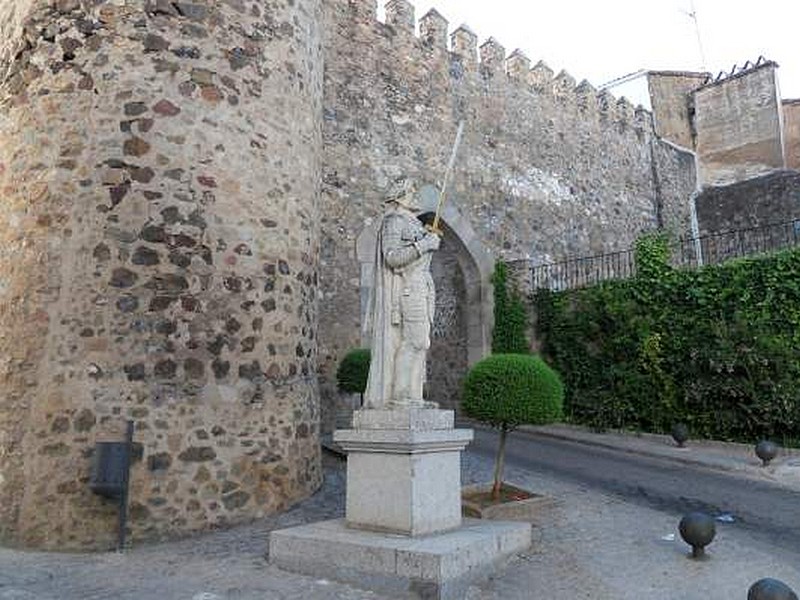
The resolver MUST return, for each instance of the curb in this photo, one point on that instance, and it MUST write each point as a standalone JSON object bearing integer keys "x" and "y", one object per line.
{"x": 688, "y": 459}
{"x": 731, "y": 465}
{"x": 739, "y": 467}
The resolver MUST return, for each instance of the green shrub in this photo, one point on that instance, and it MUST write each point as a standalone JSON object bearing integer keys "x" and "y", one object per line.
{"x": 351, "y": 376}
{"x": 510, "y": 319}
{"x": 509, "y": 390}
{"x": 717, "y": 348}
{"x": 652, "y": 255}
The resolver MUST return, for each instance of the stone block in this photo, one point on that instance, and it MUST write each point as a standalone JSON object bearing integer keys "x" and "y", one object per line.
{"x": 403, "y": 480}
{"x": 434, "y": 567}
{"x": 418, "y": 419}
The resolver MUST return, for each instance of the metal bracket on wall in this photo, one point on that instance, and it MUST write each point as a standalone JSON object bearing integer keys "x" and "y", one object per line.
{"x": 110, "y": 476}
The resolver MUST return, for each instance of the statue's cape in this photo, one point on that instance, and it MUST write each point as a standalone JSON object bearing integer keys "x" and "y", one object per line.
{"x": 380, "y": 331}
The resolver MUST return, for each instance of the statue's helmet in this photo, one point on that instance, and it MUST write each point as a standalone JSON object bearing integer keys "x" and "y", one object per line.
{"x": 404, "y": 193}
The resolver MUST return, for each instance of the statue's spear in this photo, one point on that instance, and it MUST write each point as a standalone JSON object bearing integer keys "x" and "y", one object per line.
{"x": 443, "y": 192}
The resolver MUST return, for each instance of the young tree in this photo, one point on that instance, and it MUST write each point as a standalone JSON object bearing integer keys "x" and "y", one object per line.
{"x": 509, "y": 390}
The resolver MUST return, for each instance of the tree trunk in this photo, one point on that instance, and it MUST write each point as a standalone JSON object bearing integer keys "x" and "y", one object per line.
{"x": 499, "y": 463}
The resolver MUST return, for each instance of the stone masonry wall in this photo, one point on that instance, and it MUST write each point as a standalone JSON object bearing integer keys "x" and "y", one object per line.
{"x": 547, "y": 169}
{"x": 767, "y": 200}
{"x": 791, "y": 133}
{"x": 674, "y": 176}
{"x": 669, "y": 96}
{"x": 159, "y": 168}
{"x": 738, "y": 124}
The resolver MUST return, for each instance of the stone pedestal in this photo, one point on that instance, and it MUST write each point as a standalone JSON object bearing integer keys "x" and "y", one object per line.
{"x": 404, "y": 471}
{"x": 430, "y": 567}
{"x": 403, "y": 531}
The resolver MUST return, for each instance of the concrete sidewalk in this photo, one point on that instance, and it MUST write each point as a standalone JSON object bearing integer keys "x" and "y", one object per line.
{"x": 723, "y": 456}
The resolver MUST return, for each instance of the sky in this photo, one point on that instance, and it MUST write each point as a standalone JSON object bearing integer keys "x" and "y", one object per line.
{"x": 600, "y": 40}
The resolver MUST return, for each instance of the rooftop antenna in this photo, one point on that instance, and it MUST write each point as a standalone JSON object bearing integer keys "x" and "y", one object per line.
{"x": 692, "y": 14}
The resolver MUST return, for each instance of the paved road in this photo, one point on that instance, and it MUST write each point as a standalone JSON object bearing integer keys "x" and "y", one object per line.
{"x": 769, "y": 514}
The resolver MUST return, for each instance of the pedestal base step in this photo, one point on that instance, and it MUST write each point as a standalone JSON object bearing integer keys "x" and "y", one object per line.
{"x": 432, "y": 567}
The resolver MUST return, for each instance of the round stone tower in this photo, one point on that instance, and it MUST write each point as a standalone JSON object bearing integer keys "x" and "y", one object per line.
{"x": 159, "y": 169}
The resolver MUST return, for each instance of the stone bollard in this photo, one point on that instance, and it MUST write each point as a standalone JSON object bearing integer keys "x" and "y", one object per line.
{"x": 697, "y": 530}
{"x": 680, "y": 433}
{"x": 770, "y": 589}
{"x": 766, "y": 451}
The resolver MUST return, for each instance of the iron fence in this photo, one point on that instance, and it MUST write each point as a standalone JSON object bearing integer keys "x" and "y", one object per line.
{"x": 584, "y": 271}
{"x": 688, "y": 252}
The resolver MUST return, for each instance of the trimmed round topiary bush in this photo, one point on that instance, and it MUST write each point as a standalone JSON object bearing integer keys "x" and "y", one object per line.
{"x": 353, "y": 371}
{"x": 509, "y": 390}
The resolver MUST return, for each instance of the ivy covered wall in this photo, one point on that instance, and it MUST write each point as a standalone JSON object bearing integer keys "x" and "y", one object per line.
{"x": 717, "y": 348}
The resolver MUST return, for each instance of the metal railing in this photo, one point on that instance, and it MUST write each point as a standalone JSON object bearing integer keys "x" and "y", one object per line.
{"x": 687, "y": 252}
{"x": 584, "y": 271}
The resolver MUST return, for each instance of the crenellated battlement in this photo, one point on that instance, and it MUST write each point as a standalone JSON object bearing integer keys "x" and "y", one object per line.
{"x": 493, "y": 55}
{"x": 464, "y": 44}
{"x": 490, "y": 61}
{"x": 564, "y": 86}
{"x": 540, "y": 77}
{"x": 518, "y": 65}
{"x": 606, "y": 102}
{"x": 433, "y": 30}
{"x": 624, "y": 110}
{"x": 586, "y": 97}
{"x": 400, "y": 15}
{"x": 363, "y": 8}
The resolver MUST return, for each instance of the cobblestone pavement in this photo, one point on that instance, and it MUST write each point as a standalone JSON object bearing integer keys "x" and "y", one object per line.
{"x": 587, "y": 545}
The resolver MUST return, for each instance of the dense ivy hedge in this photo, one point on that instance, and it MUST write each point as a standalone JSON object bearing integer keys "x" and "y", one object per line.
{"x": 717, "y": 348}
{"x": 510, "y": 316}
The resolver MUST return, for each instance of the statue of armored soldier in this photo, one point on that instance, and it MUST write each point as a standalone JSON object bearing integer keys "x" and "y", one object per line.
{"x": 401, "y": 307}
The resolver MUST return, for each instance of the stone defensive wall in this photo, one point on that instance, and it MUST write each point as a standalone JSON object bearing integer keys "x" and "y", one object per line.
{"x": 548, "y": 168}
{"x": 159, "y": 188}
{"x": 762, "y": 201}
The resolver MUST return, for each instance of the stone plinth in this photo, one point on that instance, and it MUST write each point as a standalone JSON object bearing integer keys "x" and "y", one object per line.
{"x": 433, "y": 567}
{"x": 404, "y": 470}
{"x": 403, "y": 532}
{"x": 414, "y": 419}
